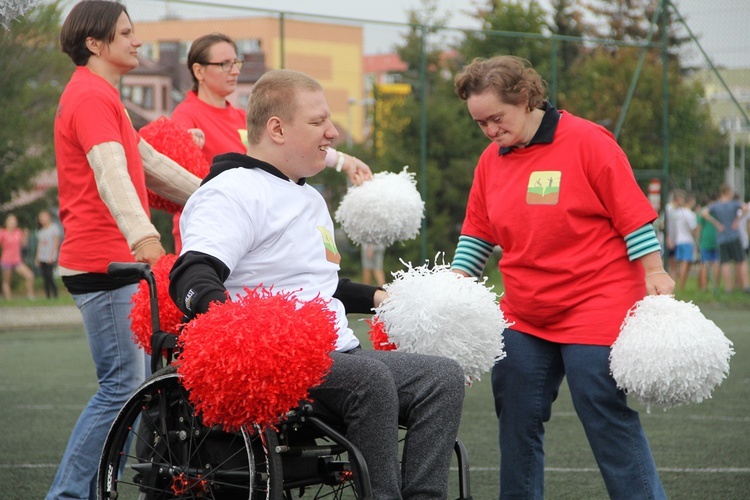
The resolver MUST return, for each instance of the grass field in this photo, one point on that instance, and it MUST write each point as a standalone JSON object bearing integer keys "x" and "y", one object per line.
{"x": 702, "y": 451}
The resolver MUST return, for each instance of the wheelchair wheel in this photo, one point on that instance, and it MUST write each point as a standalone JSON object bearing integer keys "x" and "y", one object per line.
{"x": 158, "y": 449}
{"x": 319, "y": 462}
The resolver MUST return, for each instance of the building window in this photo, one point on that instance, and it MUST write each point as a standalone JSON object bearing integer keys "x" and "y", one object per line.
{"x": 183, "y": 51}
{"x": 147, "y": 50}
{"x": 248, "y": 46}
{"x": 140, "y": 95}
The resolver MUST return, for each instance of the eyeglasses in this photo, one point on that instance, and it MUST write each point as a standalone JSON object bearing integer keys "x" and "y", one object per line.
{"x": 226, "y": 65}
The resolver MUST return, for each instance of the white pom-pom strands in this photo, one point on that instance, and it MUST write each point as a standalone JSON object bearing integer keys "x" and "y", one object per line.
{"x": 669, "y": 354}
{"x": 438, "y": 312}
{"x": 382, "y": 211}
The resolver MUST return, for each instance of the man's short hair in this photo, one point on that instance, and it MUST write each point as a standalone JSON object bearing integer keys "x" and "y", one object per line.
{"x": 275, "y": 94}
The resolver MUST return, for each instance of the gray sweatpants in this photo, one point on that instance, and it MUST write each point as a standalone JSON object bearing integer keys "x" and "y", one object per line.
{"x": 374, "y": 391}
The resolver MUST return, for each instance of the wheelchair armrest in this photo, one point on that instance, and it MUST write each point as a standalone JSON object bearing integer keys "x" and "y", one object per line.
{"x": 129, "y": 270}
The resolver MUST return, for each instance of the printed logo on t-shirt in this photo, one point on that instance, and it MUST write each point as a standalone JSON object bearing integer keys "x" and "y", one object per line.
{"x": 544, "y": 188}
{"x": 332, "y": 253}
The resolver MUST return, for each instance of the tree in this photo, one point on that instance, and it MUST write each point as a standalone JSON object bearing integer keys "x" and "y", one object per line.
{"x": 597, "y": 86}
{"x": 454, "y": 142}
{"x": 501, "y": 21}
{"x": 34, "y": 74}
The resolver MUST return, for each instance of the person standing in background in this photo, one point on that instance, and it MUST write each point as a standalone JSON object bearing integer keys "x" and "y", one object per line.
{"x": 48, "y": 243}
{"x": 709, "y": 270}
{"x": 216, "y": 125}
{"x": 372, "y": 264}
{"x": 725, "y": 215}
{"x": 13, "y": 239}
{"x": 104, "y": 169}
{"x": 685, "y": 234}
{"x": 670, "y": 230}
{"x": 559, "y": 196}
{"x": 742, "y": 222}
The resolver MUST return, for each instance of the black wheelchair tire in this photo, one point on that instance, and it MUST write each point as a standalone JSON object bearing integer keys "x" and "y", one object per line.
{"x": 157, "y": 448}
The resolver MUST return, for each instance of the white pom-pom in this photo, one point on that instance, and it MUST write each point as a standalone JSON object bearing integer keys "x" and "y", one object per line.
{"x": 438, "y": 312}
{"x": 11, "y": 9}
{"x": 382, "y": 211}
{"x": 668, "y": 353}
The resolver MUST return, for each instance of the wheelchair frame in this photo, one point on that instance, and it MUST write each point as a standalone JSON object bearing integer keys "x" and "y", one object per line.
{"x": 158, "y": 448}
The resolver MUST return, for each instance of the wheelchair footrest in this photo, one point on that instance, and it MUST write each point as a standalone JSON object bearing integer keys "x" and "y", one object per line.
{"x": 309, "y": 451}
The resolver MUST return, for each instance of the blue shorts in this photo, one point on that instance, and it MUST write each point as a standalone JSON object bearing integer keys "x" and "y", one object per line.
{"x": 684, "y": 252}
{"x": 709, "y": 255}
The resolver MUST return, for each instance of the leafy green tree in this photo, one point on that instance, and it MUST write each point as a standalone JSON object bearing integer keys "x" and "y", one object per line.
{"x": 597, "y": 86}
{"x": 454, "y": 142}
{"x": 502, "y": 21}
{"x": 34, "y": 74}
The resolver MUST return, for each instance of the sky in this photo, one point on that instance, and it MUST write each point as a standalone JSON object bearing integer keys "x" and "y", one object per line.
{"x": 722, "y": 26}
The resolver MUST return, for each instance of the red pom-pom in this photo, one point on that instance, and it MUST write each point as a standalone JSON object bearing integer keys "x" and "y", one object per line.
{"x": 251, "y": 361}
{"x": 176, "y": 143}
{"x": 378, "y": 335}
{"x": 170, "y": 317}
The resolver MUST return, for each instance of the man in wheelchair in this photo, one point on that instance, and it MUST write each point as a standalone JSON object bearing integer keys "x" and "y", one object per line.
{"x": 256, "y": 222}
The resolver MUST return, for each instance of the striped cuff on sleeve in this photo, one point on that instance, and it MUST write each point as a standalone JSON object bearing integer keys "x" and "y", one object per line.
{"x": 472, "y": 255}
{"x": 642, "y": 242}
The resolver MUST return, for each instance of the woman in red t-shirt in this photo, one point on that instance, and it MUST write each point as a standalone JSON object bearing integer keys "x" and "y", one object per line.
{"x": 12, "y": 241}
{"x": 219, "y": 127}
{"x": 558, "y": 195}
{"x": 103, "y": 169}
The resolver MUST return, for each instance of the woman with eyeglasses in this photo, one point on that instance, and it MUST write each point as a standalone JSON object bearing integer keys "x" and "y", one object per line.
{"x": 218, "y": 126}
{"x": 103, "y": 169}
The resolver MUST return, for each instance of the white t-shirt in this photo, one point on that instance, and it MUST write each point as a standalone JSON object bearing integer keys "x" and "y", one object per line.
{"x": 685, "y": 222}
{"x": 269, "y": 232}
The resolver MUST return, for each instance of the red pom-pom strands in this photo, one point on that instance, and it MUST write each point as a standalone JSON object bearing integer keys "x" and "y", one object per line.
{"x": 170, "y": 317}
{"x": 378, "y": 336}
{"x": 172, "y": 141}
{"x": 252, "y": 360}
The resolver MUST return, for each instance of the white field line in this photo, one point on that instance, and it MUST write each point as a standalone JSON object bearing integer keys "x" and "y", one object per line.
{"x": 681, "y": 470}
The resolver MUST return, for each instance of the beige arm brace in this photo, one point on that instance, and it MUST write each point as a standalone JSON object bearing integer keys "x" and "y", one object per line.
{"x": 110, "y": 168}
{"x": 166, "y": 177}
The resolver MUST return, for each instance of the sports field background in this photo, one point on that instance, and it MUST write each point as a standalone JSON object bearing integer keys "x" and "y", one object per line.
{"x": 702, "y": 451}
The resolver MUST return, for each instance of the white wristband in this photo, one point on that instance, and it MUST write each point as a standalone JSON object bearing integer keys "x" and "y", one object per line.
{"x": 340, "y": 163}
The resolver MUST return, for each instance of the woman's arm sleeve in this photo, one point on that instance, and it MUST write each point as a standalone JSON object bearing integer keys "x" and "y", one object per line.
{"x": 116, "y": 189}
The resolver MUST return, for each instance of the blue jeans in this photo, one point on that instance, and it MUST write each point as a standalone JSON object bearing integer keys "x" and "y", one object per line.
{"x": 120, "y": 369}
{"x": 526, "y": 383}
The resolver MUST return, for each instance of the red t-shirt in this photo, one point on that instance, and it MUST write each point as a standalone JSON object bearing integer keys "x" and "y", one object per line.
{"x": 225, "y": 128}
{"x": 90, "y": 113}
{"x": 560, "y": 212}
{"x": 225, "y": 131}
{"x": 11, "y": 242}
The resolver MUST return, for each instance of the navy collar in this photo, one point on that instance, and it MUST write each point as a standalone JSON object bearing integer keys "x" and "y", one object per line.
{"x": 546, "y": 131}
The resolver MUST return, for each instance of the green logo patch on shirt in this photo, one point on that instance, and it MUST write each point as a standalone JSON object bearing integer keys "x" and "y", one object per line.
{"x": 544, "y": 187}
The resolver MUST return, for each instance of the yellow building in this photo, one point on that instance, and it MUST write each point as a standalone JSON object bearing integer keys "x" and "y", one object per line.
{"x": 331, "y": 53}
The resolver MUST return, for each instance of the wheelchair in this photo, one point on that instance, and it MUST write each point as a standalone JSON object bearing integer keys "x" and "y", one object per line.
{"x": 159, "y": 448}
